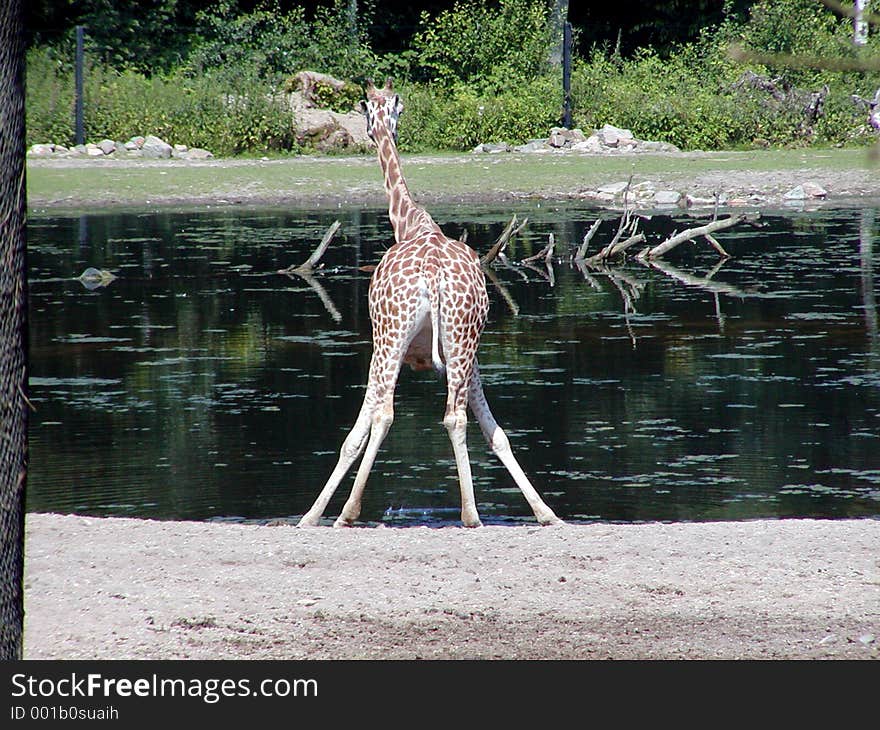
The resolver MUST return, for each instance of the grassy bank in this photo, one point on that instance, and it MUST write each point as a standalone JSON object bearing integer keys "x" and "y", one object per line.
{"x": 441, "y": 177}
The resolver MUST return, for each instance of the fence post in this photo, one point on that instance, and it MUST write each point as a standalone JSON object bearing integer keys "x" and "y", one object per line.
{"x": 80, "y": 53}
{"x": 566, "y": 75}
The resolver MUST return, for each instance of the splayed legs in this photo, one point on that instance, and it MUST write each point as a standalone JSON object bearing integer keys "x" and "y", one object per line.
{"x": 500, "y": 445}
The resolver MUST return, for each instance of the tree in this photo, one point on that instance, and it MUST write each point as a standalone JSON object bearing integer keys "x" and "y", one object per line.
{"x": 13, "y": 309}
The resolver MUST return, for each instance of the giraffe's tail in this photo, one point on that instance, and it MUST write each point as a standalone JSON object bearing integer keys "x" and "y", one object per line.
{"x": 436, "y": 354}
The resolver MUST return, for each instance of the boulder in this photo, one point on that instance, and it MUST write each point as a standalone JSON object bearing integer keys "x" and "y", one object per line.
{"x": 806, "y": 191}
{"x": 197, "y": 153}
{"x": 590, "y": 144}
{"x": 155, "y": 148}
{"x": 614, "y": 189}
{"x": 41, "y": 150}
{"x": 314, "y": 127}
{"x": 493, "y": 148}
{"x": 667, "y": 197}
{"x": 533, "y": 145}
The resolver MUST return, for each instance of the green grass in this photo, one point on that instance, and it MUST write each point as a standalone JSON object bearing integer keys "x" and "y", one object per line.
{"x": 359, "y": 179}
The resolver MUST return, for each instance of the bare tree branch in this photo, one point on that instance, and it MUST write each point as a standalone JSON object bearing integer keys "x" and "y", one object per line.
{"x": 691, "y": 233}
{"x": 511, "y": 230}
{"x": 588, "y": 236}
{"x": 308, "y": 266}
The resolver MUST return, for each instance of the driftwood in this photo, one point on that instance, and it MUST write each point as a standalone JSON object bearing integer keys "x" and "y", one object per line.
{"x": 509, "y": 232}
{"x": 545, "y": 254}
{"x": 306, "y": 270}
{"x": 308, "y": 266}
{"x": 581, "y": 253}
{"x": 692, "y": 233}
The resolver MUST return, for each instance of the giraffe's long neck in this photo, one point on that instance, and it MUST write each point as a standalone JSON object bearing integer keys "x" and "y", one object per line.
{"x": 407, "y": 218}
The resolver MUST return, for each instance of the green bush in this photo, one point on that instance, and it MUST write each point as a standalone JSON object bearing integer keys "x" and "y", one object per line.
{"x": 477, "y": 72}
{"x": 462, "y": 117}
{"x": 490, "y": 45}
{"x": 199, "y": 112}
{"x": 272, "y": 44}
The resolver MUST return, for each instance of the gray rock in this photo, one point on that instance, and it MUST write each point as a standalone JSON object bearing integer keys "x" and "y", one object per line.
{"x": 590, "y": 144}
{"x": 611, "y": 136}
{"x": 197, "y": 153}
{"x": 107, "y": 146}
{"x": 614, "y": 188}
{"x": 806, "y": 191}
{"x": 92, "y": 150}
{"x": 695, "y": 201}
{"x": 156, "y": 148}
{"x": 667, "y": 197}
{"x": 41, "y": 150}
{"x": 563, "y": 137}
{"x": 533, "y": 145}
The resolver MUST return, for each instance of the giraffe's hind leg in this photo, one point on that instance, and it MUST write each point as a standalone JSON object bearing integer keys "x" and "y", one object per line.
{"x": 455, "y": 422}
{"x": 500, "y": 445}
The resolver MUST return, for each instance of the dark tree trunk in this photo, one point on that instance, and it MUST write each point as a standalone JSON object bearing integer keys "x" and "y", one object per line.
{"x": 13, "y": 328}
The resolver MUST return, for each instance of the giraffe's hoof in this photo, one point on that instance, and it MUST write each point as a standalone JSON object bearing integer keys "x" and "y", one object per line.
{"x": 551, "y": 521}
{"x": 342, "y": 522}
{"x": 308, "y": 521}
{"x": 472, "y": 522}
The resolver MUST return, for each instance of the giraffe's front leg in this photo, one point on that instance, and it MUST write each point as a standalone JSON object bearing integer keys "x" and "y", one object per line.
{"x": 351, "y": 448}
{"x": 381, "y": 423}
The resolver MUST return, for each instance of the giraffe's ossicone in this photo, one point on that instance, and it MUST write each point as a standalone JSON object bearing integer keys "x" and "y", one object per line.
{"x": 428, "y": 305}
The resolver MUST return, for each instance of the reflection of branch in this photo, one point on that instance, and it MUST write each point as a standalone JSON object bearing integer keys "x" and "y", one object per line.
{"x": 319, "y": 290}
{"x": 505, "y": 293}
{"x": 700, "y": 282}
{"x": 545, "y": 255}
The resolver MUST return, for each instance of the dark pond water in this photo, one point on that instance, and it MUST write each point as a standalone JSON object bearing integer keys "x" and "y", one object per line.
{"x": 200, "y": 384}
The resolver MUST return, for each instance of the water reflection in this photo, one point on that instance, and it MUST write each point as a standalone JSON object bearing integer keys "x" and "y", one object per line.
{"x": 200, "y": 383}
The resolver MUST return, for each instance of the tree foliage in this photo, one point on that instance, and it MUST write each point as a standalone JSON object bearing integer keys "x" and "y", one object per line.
{"x": 477, "y": 71}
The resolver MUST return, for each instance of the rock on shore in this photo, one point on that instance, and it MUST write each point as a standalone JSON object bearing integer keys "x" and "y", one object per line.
{"x": 149, "y": 147}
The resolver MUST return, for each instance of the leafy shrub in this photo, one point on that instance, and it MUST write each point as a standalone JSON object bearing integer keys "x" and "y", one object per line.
{"x": 491, "y": 45}
{"x": 462, "y": 117}
{"x": 49, "y": 107}
{"x": 273, "y": 44}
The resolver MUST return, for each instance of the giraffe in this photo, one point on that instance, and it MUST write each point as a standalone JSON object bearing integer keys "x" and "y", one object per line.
{"x": 428, "y": 305}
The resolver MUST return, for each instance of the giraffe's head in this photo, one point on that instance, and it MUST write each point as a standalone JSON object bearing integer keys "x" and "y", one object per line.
{"x": 381, "y": 107}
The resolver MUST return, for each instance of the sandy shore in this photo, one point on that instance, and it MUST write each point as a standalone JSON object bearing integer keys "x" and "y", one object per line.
{"x": 109, "y": 588}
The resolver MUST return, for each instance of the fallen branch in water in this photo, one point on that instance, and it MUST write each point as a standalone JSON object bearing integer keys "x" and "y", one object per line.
{"x": 545, "y": 253}
{"x": 308, "y": 266}
{"x": 692, "y": 233}
{"x": 588, "y": 236}
{"x": 511, "y": 230}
